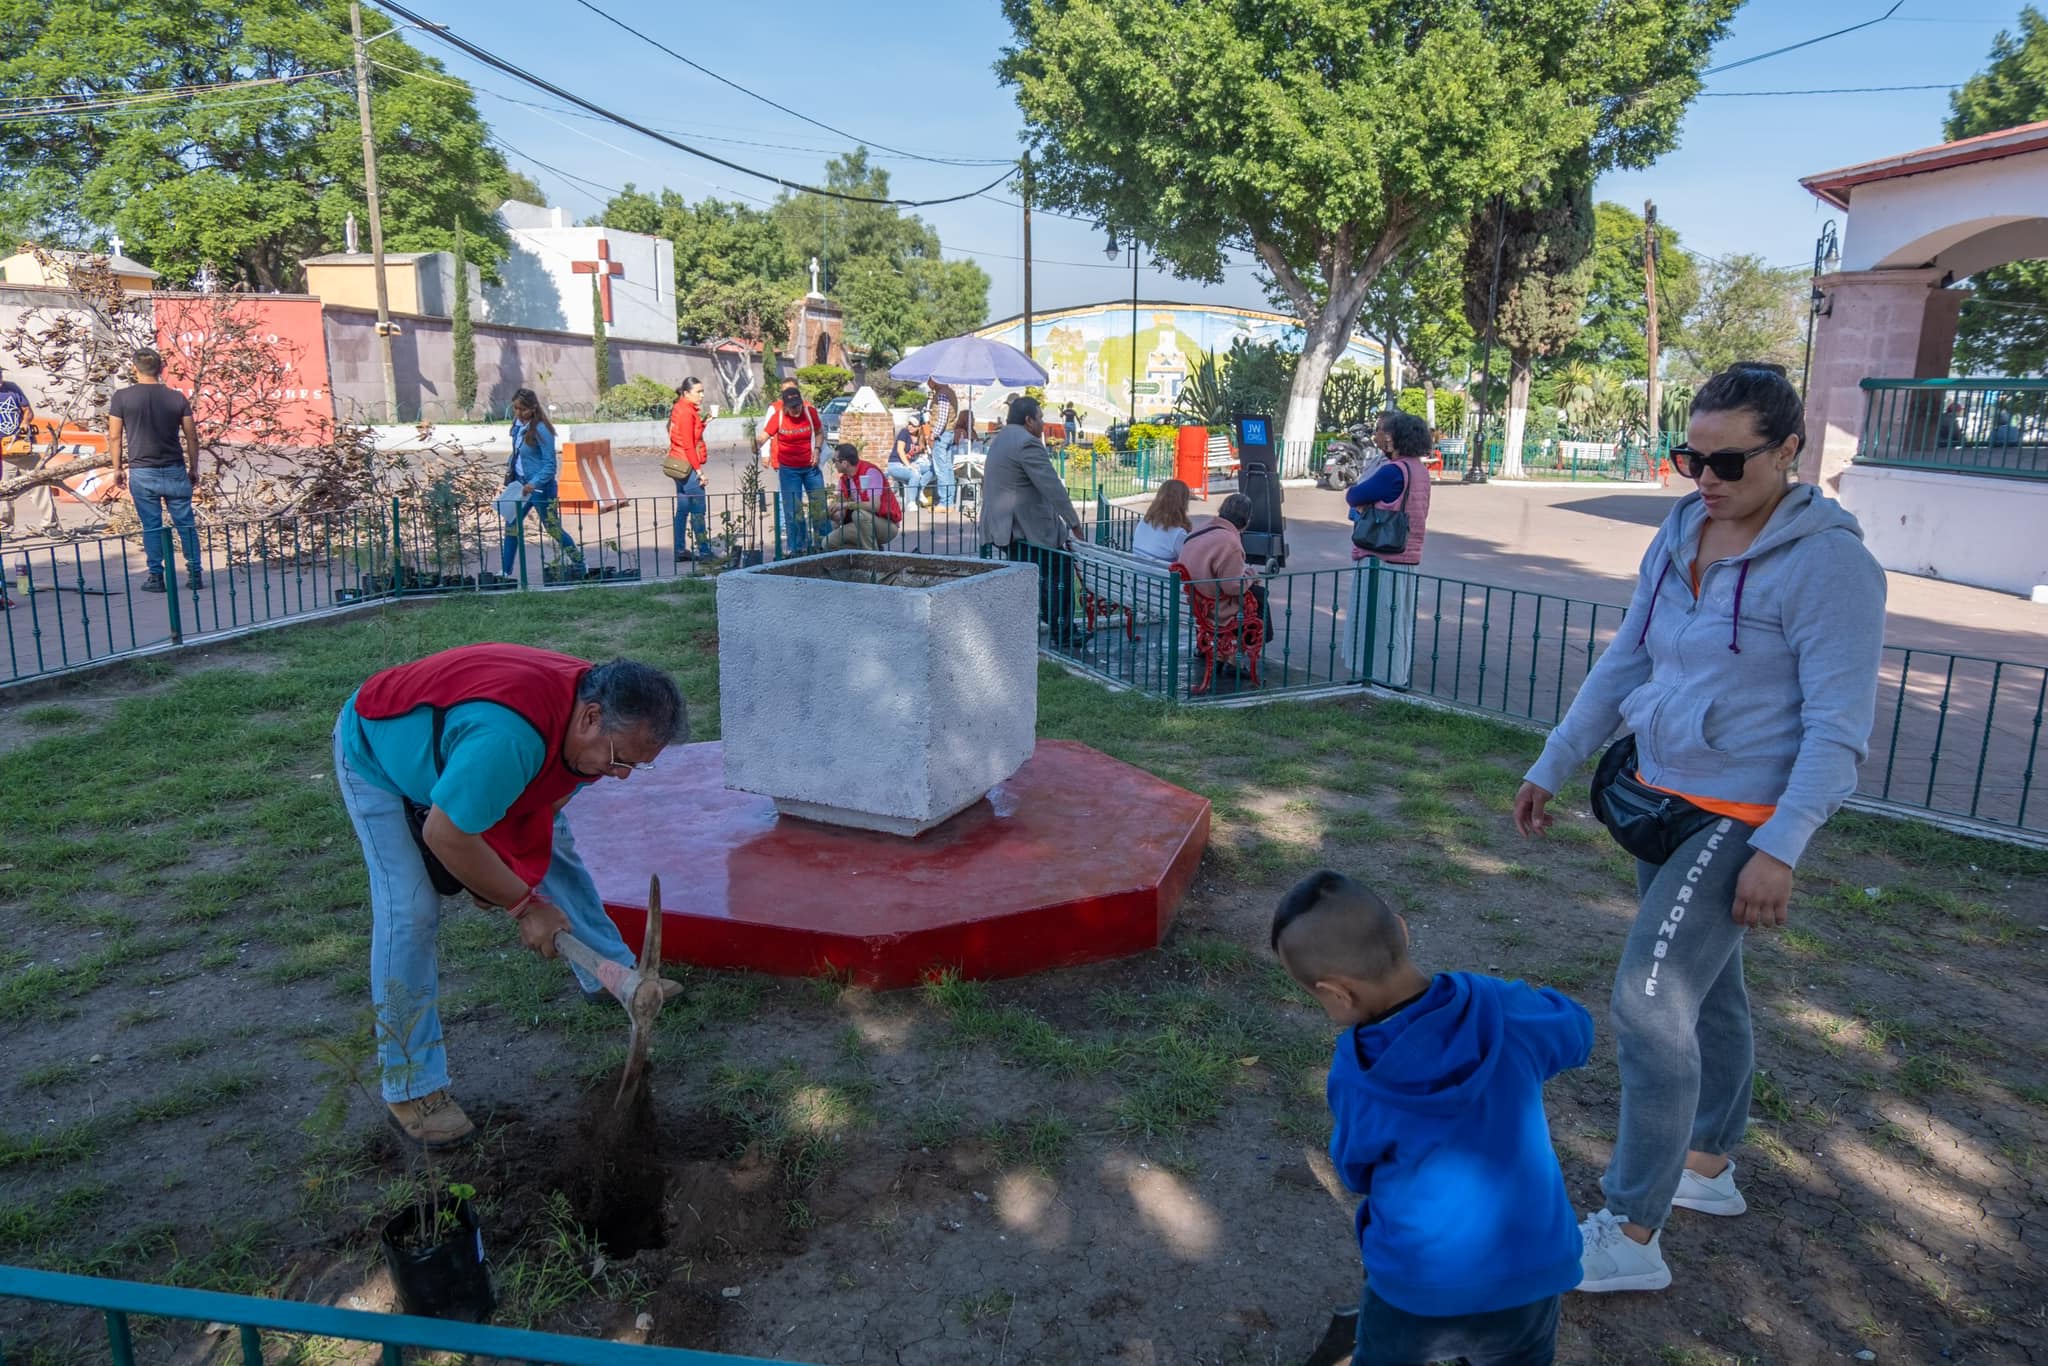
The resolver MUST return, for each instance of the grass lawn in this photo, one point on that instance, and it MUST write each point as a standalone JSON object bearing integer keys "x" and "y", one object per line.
{"x": 1118, "y": 1163}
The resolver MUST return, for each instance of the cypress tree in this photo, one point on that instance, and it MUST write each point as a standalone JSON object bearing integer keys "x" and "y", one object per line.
{"x": 464, "y": 338}
{"x": 601, "y": 348}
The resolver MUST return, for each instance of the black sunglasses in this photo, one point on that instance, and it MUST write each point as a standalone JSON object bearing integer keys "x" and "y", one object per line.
{"x": 1726, "y": 465}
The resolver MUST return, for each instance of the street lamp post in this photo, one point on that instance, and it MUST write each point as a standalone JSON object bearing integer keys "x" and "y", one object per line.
{"x": 1827, "y": 255}
{"x": 1111, "y": 251}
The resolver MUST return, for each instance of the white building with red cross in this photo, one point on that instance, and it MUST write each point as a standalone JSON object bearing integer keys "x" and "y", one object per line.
{"x": 547, "y": 277}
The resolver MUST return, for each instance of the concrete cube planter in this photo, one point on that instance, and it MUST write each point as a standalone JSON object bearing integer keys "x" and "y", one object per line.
{"x": 887, "y": 692}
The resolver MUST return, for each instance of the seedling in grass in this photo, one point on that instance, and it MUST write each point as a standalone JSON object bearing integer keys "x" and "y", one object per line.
{"x": 53, "y": 1076}
{"x": 1926, "y": 1074}
{"x": 1770, "y": 1098}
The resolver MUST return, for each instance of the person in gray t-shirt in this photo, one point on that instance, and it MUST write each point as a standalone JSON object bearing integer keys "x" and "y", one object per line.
{"x": 155, "y": 446}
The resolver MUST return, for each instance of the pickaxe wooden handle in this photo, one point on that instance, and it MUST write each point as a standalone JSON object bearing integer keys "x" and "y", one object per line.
{"x": 638, "y": 987}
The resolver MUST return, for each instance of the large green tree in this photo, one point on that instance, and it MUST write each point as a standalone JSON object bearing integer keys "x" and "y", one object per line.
{"x": 2004, "y": 327}
{"x": 1615, "y": 328}
{"x": 1325, "y": 135}
{"x": 1540, "y": 250}
{"x": 247, "y": 180}
{"x": 1746, "y": 311}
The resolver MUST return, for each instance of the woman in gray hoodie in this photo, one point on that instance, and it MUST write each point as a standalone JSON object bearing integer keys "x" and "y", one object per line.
{"x": 1746, "y": 673}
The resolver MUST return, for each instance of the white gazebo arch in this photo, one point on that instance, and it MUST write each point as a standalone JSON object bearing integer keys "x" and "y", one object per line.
{"x": 1948, "y": 477}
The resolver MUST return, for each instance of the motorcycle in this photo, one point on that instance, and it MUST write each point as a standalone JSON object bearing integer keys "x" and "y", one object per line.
{"x": 1349, "y": 458}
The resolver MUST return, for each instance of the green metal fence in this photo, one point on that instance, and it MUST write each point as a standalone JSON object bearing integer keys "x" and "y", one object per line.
{"x": 1996, "y": 427}
{"x": 1955, "y": 735}
{"x": 124, "y": 1305}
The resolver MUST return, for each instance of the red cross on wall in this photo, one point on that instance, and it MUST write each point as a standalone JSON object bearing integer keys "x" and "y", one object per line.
{"x": 604, "y": 268}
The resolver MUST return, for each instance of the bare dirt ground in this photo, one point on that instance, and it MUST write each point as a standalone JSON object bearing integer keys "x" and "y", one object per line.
{"x": 1118, "y": 1163}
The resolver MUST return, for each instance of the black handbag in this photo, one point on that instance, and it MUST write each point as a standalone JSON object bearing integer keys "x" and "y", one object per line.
{"x": 1647, "y": 823}
{"x": 445, "y": 882}
{"x": 1384, "y": 531}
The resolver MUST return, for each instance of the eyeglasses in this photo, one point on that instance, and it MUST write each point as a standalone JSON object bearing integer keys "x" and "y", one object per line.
{"x": 617, "y": 763}
{"x": 1726, "y": 465}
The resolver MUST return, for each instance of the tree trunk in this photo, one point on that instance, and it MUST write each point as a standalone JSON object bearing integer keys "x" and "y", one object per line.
{"x": 1519, "y": 376}
{"x": 1323, "y": 340}
{"x": 1429, "y": 401}
{"x": 52, "y": 474}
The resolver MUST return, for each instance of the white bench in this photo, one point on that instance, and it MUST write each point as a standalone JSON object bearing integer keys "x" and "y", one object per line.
{"x": 1115, "y": 582}
{"x": 1222, "y": 460}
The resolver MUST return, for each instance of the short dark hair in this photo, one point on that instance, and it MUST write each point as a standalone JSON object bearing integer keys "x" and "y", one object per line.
{"x": 636, "y": 696}
{"x": 1236, "y": 510}
{"x": 1023, "y": 408}
{"x": 1759, "y": 388}
{"x": 690, "y": 382}
{"x": 1333, "y": 924}
{"x": 846, "y": 450}
{"x": 1407, "y": 434}
{"x": 148, "y": 362}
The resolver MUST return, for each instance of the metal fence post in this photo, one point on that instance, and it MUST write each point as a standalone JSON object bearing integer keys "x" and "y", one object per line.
{"x": 171, "y": 587}
{"x": 1173, "y": 596}
{"x": 1369, "y": 628}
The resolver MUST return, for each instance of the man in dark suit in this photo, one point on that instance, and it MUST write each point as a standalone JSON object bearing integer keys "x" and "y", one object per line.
{"x": 1026, "y": 513}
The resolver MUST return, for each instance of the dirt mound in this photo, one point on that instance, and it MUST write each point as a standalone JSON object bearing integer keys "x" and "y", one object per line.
{"x": 722, "y": 1210}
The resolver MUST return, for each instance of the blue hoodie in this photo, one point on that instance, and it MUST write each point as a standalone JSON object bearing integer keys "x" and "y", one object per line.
{"x": 1760, "y": 689}
{"x": 1440, "y": 1125}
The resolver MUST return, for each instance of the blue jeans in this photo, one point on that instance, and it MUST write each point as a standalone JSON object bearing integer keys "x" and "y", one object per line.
{"x": 796, "y": 500}
{"x": 935, "y": 468}
{"x": 405, "y": 917}
{"x": 1523, "y": 1336}
{"x": 546, "y": 500}
{"x": 691, "y": 502}
{"x": 156, "y": 488}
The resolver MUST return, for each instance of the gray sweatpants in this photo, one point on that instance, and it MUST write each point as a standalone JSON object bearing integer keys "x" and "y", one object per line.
{"x": 1681, "y": 1024}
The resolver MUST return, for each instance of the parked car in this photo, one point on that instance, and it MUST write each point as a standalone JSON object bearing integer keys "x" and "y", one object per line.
{"x": 832, "y": 412}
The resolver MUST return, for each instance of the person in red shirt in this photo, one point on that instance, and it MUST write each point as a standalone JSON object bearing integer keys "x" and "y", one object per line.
{"x": 687, "y": 454}
{"x": 866, "y": 509}
{"x": 792, "y": 442}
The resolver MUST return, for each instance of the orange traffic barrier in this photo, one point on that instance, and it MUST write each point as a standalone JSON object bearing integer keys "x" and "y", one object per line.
{"x": 72, "y": 443}
{"x": 589, "y": 483}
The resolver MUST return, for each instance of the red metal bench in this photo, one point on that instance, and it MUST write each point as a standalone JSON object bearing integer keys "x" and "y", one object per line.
{"x": 1246, "y": 635}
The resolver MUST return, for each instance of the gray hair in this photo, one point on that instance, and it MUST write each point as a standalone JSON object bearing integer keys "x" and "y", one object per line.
{"x": 634, "y": 696}
{"x": 1236, "y": 510}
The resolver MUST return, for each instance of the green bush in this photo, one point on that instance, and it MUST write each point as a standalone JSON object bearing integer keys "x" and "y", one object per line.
{"x": 823, "y": 382}
{"x": 639, "y": 399}
{"x": 1146, "y": 432}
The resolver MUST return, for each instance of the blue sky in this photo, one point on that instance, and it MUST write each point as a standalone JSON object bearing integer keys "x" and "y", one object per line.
{"x": 918, "y": 77}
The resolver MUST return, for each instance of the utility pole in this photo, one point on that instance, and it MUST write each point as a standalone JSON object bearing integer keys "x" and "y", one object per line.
{"x": 384, "y": 327}
{"x": 1025, "y": 185}
{"x": 1650, "y": 290}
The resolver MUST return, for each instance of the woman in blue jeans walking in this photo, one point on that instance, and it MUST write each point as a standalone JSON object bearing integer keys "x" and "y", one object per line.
{"x": 1746, "y": 672}
{"x": 536, "y": 469}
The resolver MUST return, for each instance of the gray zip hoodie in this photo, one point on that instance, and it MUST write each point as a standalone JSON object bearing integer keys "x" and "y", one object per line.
{"x": 1761, "y": 690}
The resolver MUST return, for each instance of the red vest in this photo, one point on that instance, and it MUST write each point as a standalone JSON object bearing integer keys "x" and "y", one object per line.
{"x": 889, "y": 506}
{"x": 540, "y": 686}
{"x": 1416, "y": 491}
{"x": 793, "y": 450}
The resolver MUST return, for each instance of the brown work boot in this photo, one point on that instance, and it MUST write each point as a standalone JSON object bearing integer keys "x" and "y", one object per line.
{"x": 432, "y": 1121}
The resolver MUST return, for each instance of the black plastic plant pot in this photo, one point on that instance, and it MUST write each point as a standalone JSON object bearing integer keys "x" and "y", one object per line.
{"x": 444, "y": 1278}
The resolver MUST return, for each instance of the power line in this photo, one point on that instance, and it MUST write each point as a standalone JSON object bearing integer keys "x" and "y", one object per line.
{"x": 1809, "y": 42}
{"x": 188, "y": 94}
{"x": 1839, "y": 90}
{"x": 449, "y": 36}
{"x": 772, "y": 104}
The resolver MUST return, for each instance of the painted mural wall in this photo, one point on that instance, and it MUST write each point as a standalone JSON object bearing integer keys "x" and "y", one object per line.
{"x": 1087, "y": 352}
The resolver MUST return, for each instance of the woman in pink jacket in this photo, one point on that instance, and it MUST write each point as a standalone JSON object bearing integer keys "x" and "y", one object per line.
{"x": 1387, "y": 598}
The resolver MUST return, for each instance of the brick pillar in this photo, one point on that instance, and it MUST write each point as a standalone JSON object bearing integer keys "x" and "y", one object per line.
{"x": 1880, "y": 324}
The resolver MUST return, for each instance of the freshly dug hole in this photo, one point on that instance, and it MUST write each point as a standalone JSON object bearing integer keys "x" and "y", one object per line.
{"x": 613, "y": 1173}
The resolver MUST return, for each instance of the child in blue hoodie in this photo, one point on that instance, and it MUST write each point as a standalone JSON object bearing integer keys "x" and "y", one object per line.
{"x": 1468, "y": 1237}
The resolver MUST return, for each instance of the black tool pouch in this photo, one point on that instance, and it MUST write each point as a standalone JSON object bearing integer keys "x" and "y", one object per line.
{"x": 1649, "y": 824}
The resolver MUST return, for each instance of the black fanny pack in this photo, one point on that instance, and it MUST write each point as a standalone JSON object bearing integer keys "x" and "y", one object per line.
{"x": 1649, "y": 824}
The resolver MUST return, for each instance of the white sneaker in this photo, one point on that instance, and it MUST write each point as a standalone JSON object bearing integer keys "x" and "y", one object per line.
{"x": 1614, "y": 1261}
{"x": 1716, "y": 1196}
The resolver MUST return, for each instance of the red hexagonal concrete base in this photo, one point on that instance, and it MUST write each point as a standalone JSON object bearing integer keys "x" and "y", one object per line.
{"x": 1078, "y": 858}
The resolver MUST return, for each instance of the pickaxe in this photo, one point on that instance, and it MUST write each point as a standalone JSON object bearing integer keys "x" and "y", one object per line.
{"x": 638, "y": 988}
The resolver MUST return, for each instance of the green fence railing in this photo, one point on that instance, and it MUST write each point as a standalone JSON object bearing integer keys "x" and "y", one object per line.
{"x": 121, "y": 1304}
{"x": 1955, "y": 735}
{"x": 1996, "y": 427}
